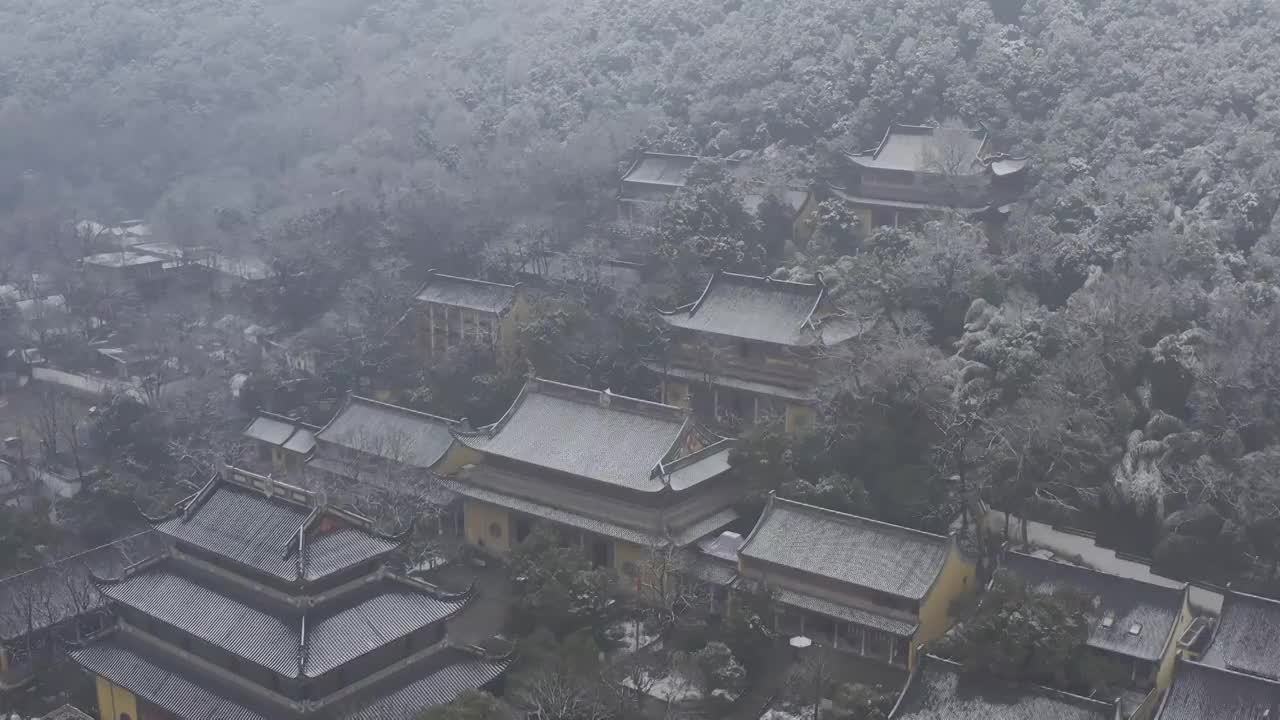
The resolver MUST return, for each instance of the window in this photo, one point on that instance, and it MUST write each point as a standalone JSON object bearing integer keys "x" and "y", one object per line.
{"x": 454, "y": 315}
{"x": 1108, "y": 620}
{"x": 629, "y": 569}
{"x": 495, "y": 530}
{"x": 1135, "y": 629}
{"x": 524, "y": 526}
{"x": 601, "y": 553}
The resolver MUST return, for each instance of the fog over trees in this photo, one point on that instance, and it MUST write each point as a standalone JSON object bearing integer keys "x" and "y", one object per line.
{"x": 353, "y": 145}
{"x": 1106, "y": 358}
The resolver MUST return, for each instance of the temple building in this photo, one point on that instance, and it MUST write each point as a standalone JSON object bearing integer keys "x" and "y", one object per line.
{"x": 367, "y": 437}
{"x": 1205, "y": 692}
{"x": 613, "y": 474}
{"x": 1247, "y": 636}
{"x": 941, "y": 690}
{"x": 1134, "y": 624}
{"x": 654, "y": 177}
{"x": 267, "y": 605}
{"x": 372, "y": 447}
{"x": 749, "y": 349}
{"x": 283, "y": 443}
{"x": 454, "y": 311}
{"x": 918, "y": 170}
{"x": 854, "y": 584}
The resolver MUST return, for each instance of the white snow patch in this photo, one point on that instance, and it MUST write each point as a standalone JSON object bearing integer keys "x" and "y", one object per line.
{"x": 781, "y": 714}
{"x": 673, "y": 688}
{"x": 631, "y": 637}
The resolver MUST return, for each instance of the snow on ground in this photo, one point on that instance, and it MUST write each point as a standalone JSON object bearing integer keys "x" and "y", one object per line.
{"x": 784, "y": 714}
{"x": 631, "y": 637}
{"x": 673, "y": 688}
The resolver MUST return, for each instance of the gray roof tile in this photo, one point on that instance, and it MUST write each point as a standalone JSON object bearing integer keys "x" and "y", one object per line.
{"x": 246, "y": 632}
{"x": 1248, "y": 636}
{"x": 269, "y": 430}
{"x": 939, "y": 691}
{"x": 438, "y": 688}
{"x": 1202, "y": 692}
{"x": 386, "y": 613}
{"x": 938, "y": 150}
{"x": 260, "y": 532}
{"x": 389, "y": 431}
{"x": 1153, "y": 608}
{"x": 546, "y": 512}
{"x": 158, "y": 686}
{"x": 369, "y": 625}
{"x": 660, "y": 169}
{"x": 604, "y": 437}
{"x": 849, "y": 549}
{"x": 761, "y": 309}
{"x": 467, "y": 293}
{"x": 879, "y": 621}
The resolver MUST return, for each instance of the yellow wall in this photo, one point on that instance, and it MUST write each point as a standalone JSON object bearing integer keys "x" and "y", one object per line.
{"x": 509, "y": 328}
{"x": 864, "y": 220}
{"x": 675, "y": 393}
{"x": 802, "y": 226}
{"x": 958, "y": 576}
{"x": 457, "y": 457}
{"x": 278, "y": 461}
{"x": 477, "y": 517}
{"x": 625, "y": 552}
{"x": 114, "y": 700}
{"x": 799, "y": 418}
{"x": 1164, "y": 676}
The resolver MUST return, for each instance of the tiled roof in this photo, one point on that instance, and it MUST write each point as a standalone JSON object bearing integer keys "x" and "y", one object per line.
{"x": 269, "y": 430}
{"x": 302, "y": 441}
{"x": 1248, "y": 636}
{"x": 467, "y": 293}
{"x": 660, "y": 169}
{"x": 389, "y": 431}
{"x": 1202, "y": 692}
{"x": 158, "y": 686}
{"x": 915, "y": 148}
{"x": 246, "y": 632}
{"x": 724, "y": 546}
{"x": 261, "y": 533}
{"x": 840, "y": 611}
{"x": 751, "y": 386}
{"x": 846, "y": 548}
{"x": 756, "y": 308}
{"x": 334, "y": 637}
{"x": 713, "y": 570}
{"x": 377, "y": 621}
{"x": 601, "y": 436}
{"x": 59, "y": 591}
{"x": 546, "y": 512}
{"x": 937, "y": 690}
{"x": 438, "y": 688}
{"x": 1152, "y": 609}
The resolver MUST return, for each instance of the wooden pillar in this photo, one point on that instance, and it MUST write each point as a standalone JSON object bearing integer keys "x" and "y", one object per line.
{"x": 431, "y": 328}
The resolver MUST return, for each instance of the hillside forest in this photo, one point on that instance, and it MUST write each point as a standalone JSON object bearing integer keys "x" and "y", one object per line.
{"x": 1109, "y": 361}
